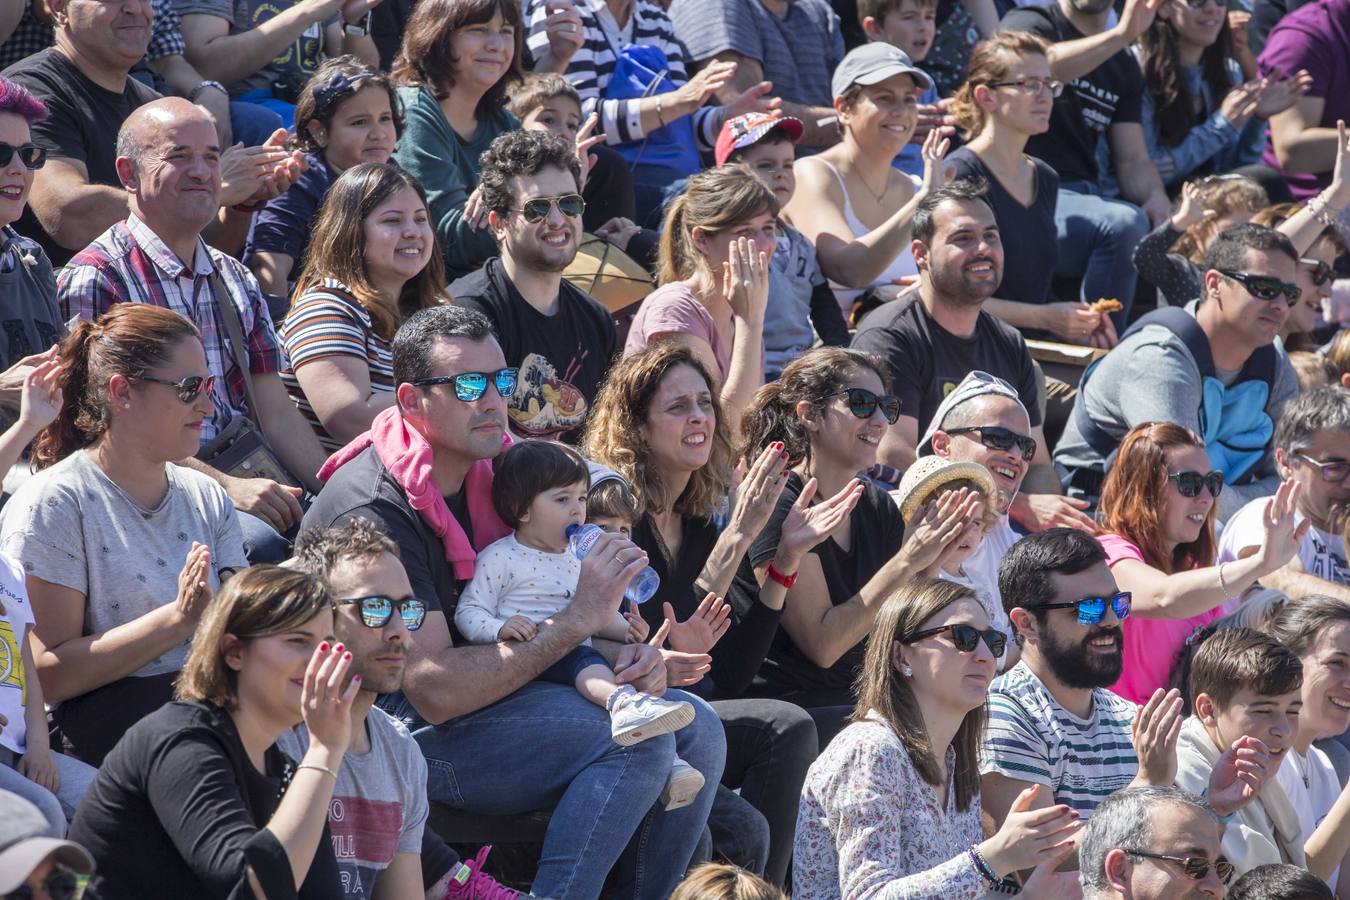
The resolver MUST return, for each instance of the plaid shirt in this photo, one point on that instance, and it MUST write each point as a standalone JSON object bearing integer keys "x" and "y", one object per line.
{"x": 128, "y": 263}
{"x": 32, "y": 36}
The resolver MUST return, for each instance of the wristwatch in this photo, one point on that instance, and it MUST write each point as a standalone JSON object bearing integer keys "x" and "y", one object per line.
{"x": 197, "y": 91}
{"x": 786, "y": 581}
{"x": 359, "y": 29}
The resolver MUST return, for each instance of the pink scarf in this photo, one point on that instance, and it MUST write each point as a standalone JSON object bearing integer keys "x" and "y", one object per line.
{"x": 408, "y": 457}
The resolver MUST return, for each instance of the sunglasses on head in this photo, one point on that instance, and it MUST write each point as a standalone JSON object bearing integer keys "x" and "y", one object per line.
{"x": 1189, "y": 484}
{"x": 1195, "y": 867}
{"x": 1264, "y": 287}
{"x": 470, "y": 386}
{"x": 1320, "y": 272}
{"x": 60, "y": 885}
{"x": 965, "y": 637}
{"x": 863, "y": 403}
{"x": 377, "y": 610}
{"x": 1091, "y": 610}
{"x": 189, "y": 388}
{"x": 31, "y": 155}
{"x": 996, "y": 438}
{"x": 536, "y": 210}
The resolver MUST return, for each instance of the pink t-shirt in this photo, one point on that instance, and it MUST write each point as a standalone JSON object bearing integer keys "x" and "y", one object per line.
{"x": 674, "y": 309}
{"x": 1151, "y": 645}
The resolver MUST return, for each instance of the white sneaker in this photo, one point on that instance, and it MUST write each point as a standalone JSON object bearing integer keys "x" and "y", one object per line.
{"x": 682, "y": 786}
{"x": 634, "y": 716}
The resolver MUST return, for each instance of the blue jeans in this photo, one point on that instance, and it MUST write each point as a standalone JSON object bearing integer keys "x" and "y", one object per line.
{"x": 566, "y": 670}
{"x": 1097, "y": 236}
{"x": 58, "y": 808}
{"x": 262, "y": 543}
{"x": 603, "y": 795}
{"x": 252, "y": 123}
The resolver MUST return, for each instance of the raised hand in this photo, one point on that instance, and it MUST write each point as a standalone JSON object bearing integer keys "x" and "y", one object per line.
{"x": 194, "y": 584}
{"x": 1136, "y": 18}
{"x": 1154, "y": 733}
{"x": 707, "y": 81}
{"x": 805, "y": 525}
{"x": 936, "y": 172}
{"x": 325, "y": 704}
{"x": 1030, "y": 837}
{"x": 562, "y": 25}
{"x": 698, "y": 633}
{"x": 41, "y": 397}
{"x": 758, "y": 492}
{"x": 1238, "y": 775}
{"x": 939, "y": 523}
{"x": 1281, "y": 534}
{"x": 1338, "y": 191}
{"x": 754, "y": 99}
{"x": 1239, "y": 103}
{"x": 745, "y": 281}
{"x": 474, "y": 213}
{"x": 585, "y": 141}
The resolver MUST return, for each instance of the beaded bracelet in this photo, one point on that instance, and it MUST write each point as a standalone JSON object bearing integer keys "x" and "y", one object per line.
{"x": 982, "y": 867}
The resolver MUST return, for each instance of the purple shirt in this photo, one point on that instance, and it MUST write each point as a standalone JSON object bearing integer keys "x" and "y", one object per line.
{"x": 1315, "y": 37}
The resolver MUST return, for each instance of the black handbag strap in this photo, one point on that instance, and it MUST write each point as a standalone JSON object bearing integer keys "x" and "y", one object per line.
{"x": 234, "y": 330}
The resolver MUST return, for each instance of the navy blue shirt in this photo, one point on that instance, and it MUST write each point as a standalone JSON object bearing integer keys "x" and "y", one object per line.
{"x": 284, "y": 224}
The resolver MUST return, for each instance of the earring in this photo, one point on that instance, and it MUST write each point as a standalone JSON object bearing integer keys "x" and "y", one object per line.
{"x": 906, "y": 671}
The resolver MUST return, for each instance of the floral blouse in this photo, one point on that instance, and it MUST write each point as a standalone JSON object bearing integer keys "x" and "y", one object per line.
{"x": 870, "y": 827}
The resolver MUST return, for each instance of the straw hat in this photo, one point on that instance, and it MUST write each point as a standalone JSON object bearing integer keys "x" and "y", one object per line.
{"x": 930, "y": 473}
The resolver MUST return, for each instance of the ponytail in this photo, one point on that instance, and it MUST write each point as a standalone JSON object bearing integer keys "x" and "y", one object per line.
{"x": 713, "y": 200}
{"x": 675, "y": 250}
{"x": 75, "y": 426}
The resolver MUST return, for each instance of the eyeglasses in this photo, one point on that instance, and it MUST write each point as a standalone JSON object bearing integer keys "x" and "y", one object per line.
{"x": 537, "y": 209}
{"x": 863, "y": 403}
{"x": 996, "y": 438}
{"x": 377, "y": 610}
{"x": 965, "y": 637}
{"x": 189, "y": 388}
{"x": 1264, "y": 287}
{"x": 1091, "y": 610}
{"x": 470, "y": 386}
{"x": 1196, "y": 867}
{"x": 1196, "y": 4}
{"x": 1032, "y": 86}
{"x": 1321, "y": 273}
{"x": 31, "y": 155}
{"x": 1335, "y": 471}
{"x": 1189, "y": 484}
{"x": 60, "y": 885}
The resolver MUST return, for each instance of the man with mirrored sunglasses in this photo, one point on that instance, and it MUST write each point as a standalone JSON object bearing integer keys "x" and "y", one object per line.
{"x": 1213, "y": 367}
{"x": 561, "y": 339}
{"x": 1312, "y": 447}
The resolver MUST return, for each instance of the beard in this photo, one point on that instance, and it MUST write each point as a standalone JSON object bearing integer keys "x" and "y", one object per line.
{"x": 1079, "y": 667}
{"x": 534, "y": 255}
{"x": 951, "y": 283}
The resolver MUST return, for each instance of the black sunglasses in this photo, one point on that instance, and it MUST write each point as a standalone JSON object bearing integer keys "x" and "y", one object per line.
{"x": 965, "y": 637}
{"x": 470, "y": 386}
{"x": 863, "y": 403}
{"x": 1321, "y": 272}
{"x": 997, "y": 438}
{"x": 536, "y": 210}
{"x": 1264, "y": 287}
{"x": 377, "y": 610}
{"x": 1091, "y": 610}
{"x": 1195, "y": 867}
{"x": 60, "y": 885}
{"x": 189, "y": 388}
{"x": 31, "y": 155}
{"x": 1189, "y": 483}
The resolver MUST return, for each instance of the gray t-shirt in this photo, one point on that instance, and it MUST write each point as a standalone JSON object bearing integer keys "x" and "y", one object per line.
{"x": 379, "y": 805}
{"x": 1151, "y": 377}
{"x": 71, "y": 525}
{"x": 293, "y": 66}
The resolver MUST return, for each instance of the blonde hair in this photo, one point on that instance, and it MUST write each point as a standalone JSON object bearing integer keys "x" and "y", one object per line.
{"x": 256, "y": 603}
{"x": 989, "y": 502}
{"x": 1223, "y": 195}
{"x": 990, "y": 61}
{"x": 713, "y": 200}
{"x": 716, "y": 881}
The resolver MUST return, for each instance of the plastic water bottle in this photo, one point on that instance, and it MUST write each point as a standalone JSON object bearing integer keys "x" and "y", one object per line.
{"x": 581, "y": 538}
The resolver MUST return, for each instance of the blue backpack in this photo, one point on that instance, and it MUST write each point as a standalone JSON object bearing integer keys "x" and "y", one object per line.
{"x": 644, "y": 71}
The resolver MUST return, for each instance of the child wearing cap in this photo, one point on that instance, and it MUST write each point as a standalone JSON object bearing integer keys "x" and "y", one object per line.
{"x": 910, "y": 26}
{"x": 801, "y": 304}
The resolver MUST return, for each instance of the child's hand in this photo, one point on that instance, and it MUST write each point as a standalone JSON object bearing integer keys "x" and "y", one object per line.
{"x": 40, "y": 398}
{"x": 517, "y": 628}
{"x": 638, "y": 629}
{"x": 1191, "y": 210}
{"x": 39, "y": 766}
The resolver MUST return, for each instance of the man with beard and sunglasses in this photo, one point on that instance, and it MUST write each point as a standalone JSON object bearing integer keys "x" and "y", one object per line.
{"x": 1052, "y": 720}
{"x": 1312, "y": 448}
{"x": 932, "y": 336}
{"x": 560, "y": 338}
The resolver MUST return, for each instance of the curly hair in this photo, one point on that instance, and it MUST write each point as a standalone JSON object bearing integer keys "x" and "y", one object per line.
{"x": 319, "y": 550}
{"x": 360, "y": 76}
{"x": 1176, "y": 114}
{"x": 614, "y": 433}
{"x": 425, "y": 57}
{"x": 1223, "y": 195}
{"x": 521, "y": 153}
{"x": 1134, "y": 496}
{"x": 990, "y": 61}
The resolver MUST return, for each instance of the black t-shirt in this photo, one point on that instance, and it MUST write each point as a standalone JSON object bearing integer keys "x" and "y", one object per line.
{"x": 1030, "y": 239}
{"x": 562, "y": 357}
{"x": 177, "y": 810}
{"x": 1108, "y": 95}
{"x": 927, "y": 361}
{"x": 875, "y": 532}
{"x": 81, "y": 126}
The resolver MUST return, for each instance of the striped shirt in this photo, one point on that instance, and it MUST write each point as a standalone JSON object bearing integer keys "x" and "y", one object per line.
{"x": 128, "y": 263}
{"x": 592, "y": 66}
{"x": 1030, "y": 737}
{"x": 328, "y": 321}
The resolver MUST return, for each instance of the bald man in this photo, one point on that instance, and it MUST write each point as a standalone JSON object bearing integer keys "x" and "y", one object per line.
{"x": 168, "y": 162}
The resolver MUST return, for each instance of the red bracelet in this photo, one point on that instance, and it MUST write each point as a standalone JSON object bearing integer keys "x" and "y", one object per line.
{"x": 786, "y": 581}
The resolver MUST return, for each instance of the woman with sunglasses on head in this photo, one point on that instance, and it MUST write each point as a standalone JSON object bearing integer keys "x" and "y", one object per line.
{"x": 373, "y": 263}
{"x": 1157, "y": 521}
{"x": 892, "y": 807}
{"x": 122, "y": 548}
{"x": 197, "y": 800}
{"x": 828, "y": 410}
{"x": 1315, "y": 277}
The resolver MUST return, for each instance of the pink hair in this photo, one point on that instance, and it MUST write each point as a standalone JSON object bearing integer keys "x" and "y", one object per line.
{"x": 17, "y": 99}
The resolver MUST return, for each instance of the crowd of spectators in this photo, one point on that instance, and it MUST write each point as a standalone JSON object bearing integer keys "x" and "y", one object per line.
{"x": 719, "y": 448}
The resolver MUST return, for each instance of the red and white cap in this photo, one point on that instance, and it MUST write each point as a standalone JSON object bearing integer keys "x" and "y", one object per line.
{"x": 742, "y": 131}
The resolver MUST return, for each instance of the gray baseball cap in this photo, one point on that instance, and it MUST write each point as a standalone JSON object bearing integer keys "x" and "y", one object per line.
{"x": 873, "y": 63}
{"x": 24, "y": 844}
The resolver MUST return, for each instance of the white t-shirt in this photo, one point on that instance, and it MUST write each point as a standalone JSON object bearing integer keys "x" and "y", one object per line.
{"x": 1312, "y": 787}
{"x": 982, "y": 567}
{"x": 1321, "y": 553}
{"x": 15, "y": 621}
{"x": 511, "y": 579}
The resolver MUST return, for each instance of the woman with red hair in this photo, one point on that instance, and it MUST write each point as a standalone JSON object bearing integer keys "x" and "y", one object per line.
{"x": 1157, "y": 521}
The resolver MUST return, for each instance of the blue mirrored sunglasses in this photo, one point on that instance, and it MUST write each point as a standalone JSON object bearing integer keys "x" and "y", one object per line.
{"x": 470, "y": 386}
{"x": 1092, "y": 609}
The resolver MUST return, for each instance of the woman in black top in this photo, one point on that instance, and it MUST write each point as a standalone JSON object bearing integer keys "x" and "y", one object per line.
{"x": 196, "y": 800}
{"x": 657, "y": 422}
{"x": 829, "y": 409}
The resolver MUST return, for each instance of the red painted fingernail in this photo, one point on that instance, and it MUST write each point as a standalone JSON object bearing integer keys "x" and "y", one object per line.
{"x": 323, "y": 648}
{"x": 356, "y": 678}
{"x": 347, "y": 656}
{"x": 338, "y": 648}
